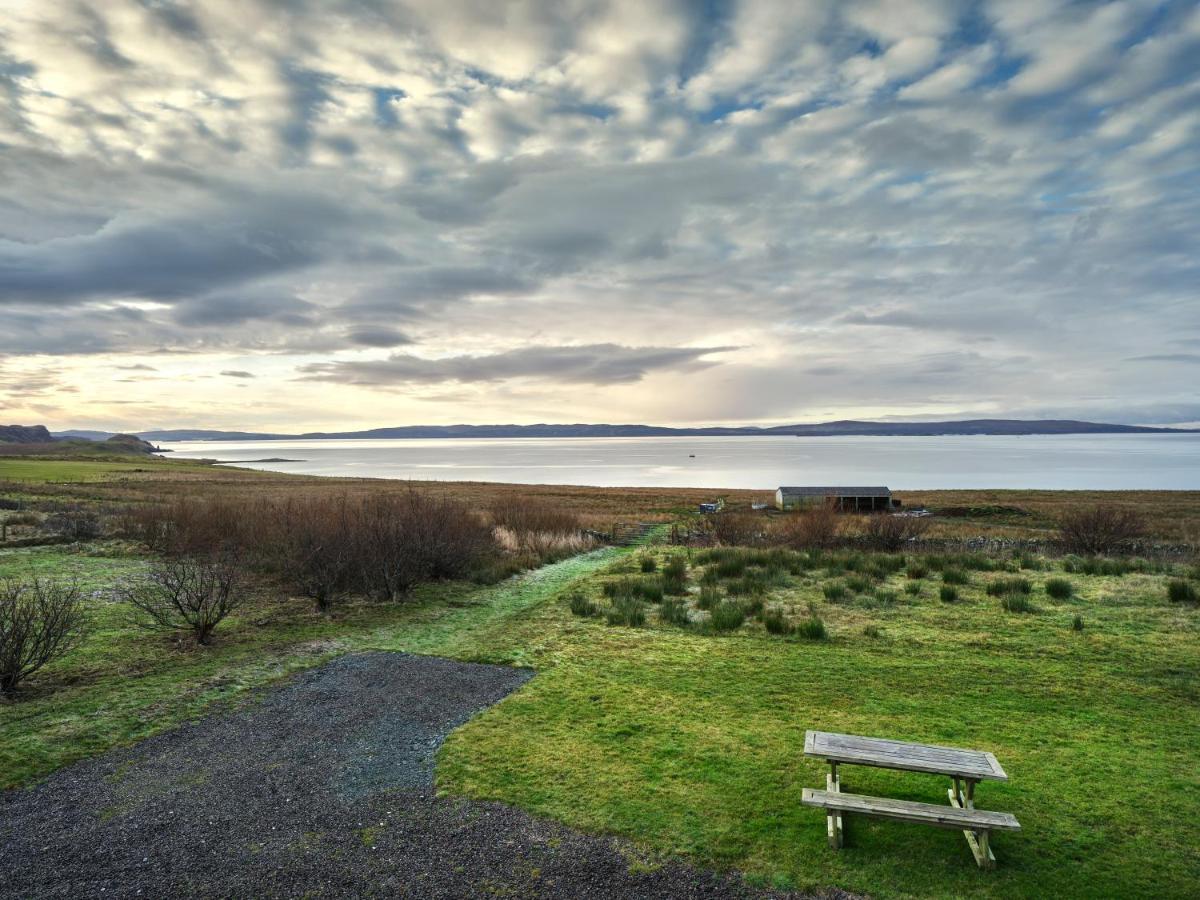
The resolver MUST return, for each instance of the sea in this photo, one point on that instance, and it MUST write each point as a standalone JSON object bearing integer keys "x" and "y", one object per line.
{"x": 1053, "y": 462}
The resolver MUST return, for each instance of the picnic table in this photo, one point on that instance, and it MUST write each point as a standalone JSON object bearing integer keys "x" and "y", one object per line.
{"x": 966, "y": 768}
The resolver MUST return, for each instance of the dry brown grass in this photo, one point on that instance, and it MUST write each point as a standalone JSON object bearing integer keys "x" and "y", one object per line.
{"x": 1169, "y": 515}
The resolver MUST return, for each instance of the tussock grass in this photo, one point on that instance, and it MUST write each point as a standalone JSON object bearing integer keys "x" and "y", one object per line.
{"x": 1180, "y": 591}
{"x": 1059, "y": 588}
{"x": 1016, "y": 603}
{"x": 727, "y": 616}
{"x": 1002, "y": 586}
{"x": 812, "y": 629}
{"x": 948, "y": 593}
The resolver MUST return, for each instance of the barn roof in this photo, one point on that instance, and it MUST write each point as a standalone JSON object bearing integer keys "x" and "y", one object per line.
{"x": 835, "y": 491}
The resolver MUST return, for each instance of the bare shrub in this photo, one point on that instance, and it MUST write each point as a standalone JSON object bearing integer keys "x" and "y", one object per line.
{"x": 818, "y": 528}
{"x": 183, "y": 593}
{"x": 200, "y": 526}
{"x": 531, "y": 515}
{"x": 316, "y": 541}
{"x": 891, "y": 533}
{"x": 1099, "y": 529}
{"x": 39, "y": 622}
{"x": 76, "y": 522}
{"x": 736, "y": 529}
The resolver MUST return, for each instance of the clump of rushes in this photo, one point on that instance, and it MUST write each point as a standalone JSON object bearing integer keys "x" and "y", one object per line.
{"x": 812, "y": 629}
{"x": 913, "y": 589}
{"x": 648, "y": 589}
{"x": 1180, "y": 591}
{"x": 1077, "y": 623}
{"x": 775, "y": 622}
{"x": 886, "y": 598}
{"x": 1016, "y": 603}
{"x": 648, "y": 564}
{"x": 674, "y": 612}
{"x": 1002, "y": 586}
{"x": 709, "y": 597}
{"x": 582, "y": 606}
{"x": 872, "y": 631}
{"x": 752, "y": 584}
{"x": 955, "y": 576}
{"x": 674, "y": 576}
{"x": 858, "y": 583}
{"x": 834, "y": 592}
{"x": 948, "y": 593}
{"x": 916, "y": 571}
{"x": 1059, "y": 588}
{"x": 627, "y": 611}
{"x": 710, "y": 576}
{"x": 753, "y": 606}
{"x": 727, "y": 616}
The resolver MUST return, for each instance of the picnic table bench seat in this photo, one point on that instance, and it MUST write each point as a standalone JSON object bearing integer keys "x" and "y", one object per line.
{"x": 912, "y": 811}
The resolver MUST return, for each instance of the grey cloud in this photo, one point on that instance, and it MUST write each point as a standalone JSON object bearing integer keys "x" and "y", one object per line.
{"x": 377, "y": 336}
{"x": 237, "y": 373}
{"x": 592, "y": 364}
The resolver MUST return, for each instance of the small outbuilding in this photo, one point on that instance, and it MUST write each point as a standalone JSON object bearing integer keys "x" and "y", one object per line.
{"x": 847, "y": 499}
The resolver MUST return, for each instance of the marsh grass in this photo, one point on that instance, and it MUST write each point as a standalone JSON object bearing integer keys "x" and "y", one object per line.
{"x": 948, "y": 593}
{"x": 1016, "y": 603}
{"x": 727, "y": 616}
{"x": 812, "y": 629}
{"x": 674, "y": 611}
{"x": 1180, "y": 591}
{"x": 626, "y": 610}
{"x": 775, "y": 622}
{"x": 1002, "y": 586}
{"x": 1059, "y": 588}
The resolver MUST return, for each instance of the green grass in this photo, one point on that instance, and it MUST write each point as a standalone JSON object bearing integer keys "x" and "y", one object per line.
{"x": 41, "y": 470}
{"x": 691, "y": 742}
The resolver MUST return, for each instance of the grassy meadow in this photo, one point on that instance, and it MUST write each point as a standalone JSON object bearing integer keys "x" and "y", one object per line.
{"x": 685, "y": 732}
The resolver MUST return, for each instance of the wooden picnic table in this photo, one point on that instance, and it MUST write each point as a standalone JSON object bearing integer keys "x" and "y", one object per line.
{"x": 965, "y": 767}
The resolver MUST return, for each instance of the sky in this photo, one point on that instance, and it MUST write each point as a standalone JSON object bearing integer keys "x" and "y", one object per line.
{"x": 332, "y": 214}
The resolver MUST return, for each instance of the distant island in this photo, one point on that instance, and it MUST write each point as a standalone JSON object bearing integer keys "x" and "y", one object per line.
{"x": 823, "y": 429}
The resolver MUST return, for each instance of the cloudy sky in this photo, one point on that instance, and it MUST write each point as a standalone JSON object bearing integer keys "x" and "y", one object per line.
{"x": 343, "y": 213}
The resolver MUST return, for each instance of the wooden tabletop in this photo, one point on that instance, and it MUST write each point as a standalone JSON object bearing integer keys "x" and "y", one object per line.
{"x": 886, "y": 754}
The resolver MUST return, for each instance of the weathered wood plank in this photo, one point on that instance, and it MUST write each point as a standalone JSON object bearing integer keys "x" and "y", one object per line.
{"x": 911, "y": 811}
{"x": 905, "y": 755}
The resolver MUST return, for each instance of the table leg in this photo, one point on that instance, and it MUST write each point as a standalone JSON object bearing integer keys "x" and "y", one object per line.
{"x": 976, "y": 840}
{"x": 833, "y": 821}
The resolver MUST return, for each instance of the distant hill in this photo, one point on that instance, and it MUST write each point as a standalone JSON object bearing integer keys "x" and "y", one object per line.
{"x": 24, "y": 434}
{"x": 824, "y": 429}
{"x": 36, "y": 440}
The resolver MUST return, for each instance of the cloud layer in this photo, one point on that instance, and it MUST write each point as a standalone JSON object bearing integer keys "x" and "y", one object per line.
{"x": 370, "y": 212}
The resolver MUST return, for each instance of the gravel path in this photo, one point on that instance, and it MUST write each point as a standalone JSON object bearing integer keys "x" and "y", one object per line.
{"x": 323, "y": 787}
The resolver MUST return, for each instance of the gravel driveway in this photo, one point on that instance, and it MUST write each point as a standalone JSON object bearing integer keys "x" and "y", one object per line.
{"x": 323, "y": 787}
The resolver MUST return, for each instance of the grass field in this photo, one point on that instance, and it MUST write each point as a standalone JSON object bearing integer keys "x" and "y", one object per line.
{"x": 690, "y": 741}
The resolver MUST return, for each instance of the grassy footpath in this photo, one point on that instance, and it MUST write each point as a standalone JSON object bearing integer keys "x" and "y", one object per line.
{"x": 122, "y": 684}
{"x": 692, "y": 743}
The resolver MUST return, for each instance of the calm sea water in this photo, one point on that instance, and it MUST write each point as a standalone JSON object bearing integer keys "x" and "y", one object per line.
{"x": 1101, "y": 462}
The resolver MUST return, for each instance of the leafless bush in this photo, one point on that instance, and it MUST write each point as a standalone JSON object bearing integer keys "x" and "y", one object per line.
{"x": 193, "y": 526}
{"x": 886, "y": 532}
{"x": 813, "y": 529}
{"x": 736, "y": 529}
{"x": 39, "y": 622}
{"x": 183, "y": 593}
{"x": 75, "y": 522}
{"x": 315, "y": 541}
{"x": 1099, "y": 529}
{"x": 529, "y": 515}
